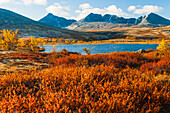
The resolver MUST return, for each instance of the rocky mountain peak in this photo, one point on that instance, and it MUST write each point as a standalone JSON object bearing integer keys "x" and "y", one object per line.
{"x": 56, "y": 21}
{"x": 93, "y": 18}
{"x": 154, "y": 20}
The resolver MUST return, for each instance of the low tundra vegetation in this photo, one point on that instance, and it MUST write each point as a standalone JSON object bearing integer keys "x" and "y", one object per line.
{"x": 112, "y": 82}
{"x": 115, "y": 82}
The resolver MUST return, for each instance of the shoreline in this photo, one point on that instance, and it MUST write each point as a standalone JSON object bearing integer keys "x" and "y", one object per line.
{"x": 103, "y": 43}
{"x": 110, "y": 41}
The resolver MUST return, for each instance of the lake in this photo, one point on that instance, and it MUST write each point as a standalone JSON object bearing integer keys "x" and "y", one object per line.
{"x": 102, "y": 48}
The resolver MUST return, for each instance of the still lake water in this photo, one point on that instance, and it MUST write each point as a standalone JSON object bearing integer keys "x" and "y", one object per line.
{"x": 102, "y": 48}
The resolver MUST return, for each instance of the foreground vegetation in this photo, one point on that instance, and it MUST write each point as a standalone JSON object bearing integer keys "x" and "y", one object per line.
{"x": 69, "y": 82}
{"x": 115, "y": 82}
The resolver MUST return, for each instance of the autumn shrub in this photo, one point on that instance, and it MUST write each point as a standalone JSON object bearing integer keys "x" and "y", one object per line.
{"x": 119, "y": 60}
{"x": 115, "y": 82}
{"x": 157, "y": 67}
{"x": 9, "y": 40}
{"x": 163, "y": 46}
{"x": 93, "y": 89}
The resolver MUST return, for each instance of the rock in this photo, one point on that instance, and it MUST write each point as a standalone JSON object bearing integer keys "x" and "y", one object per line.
{"x": 141, "y": 51}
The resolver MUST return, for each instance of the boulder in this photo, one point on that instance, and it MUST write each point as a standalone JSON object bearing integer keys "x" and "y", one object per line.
{"x": 141, "y": 51}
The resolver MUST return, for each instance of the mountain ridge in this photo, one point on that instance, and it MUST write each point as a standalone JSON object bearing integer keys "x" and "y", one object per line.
{"x": 107, "y": 18}
{"x": 91, "y": 22}
{"x": 56, "y": 21}
{"x": 153, "y": 19}
{"x": 28, "y": 27}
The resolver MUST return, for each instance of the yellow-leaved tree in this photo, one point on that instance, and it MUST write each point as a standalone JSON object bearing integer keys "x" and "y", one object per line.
{"x": 163, "y": 45}
{"x": 9, "y": 40}
{"x": 41, "y": 41}
{"x": 34, "y": 44}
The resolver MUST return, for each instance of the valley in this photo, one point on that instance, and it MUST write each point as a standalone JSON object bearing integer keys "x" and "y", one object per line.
{"x": 98, "y": 64}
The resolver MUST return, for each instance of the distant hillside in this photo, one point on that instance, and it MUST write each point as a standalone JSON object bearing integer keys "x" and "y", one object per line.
{"x": 143, "y": 32}
{"x": 98, "y": 22}
{"x": 28, "y": 27}
{"x": 56, "y": 21}
{"x": 86, "y": 26}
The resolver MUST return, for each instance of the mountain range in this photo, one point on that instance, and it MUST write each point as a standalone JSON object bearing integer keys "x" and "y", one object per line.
{"x": 107, "y": 18}
{"x": 97, "y": 21}
{"x": 28, "y": 27}
{"x": 54, "y": 26}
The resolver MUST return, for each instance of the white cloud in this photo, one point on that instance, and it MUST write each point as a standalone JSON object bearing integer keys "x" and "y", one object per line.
{"x": 114, "y": 10}
{"x": 10, "y": 2}
{"x": 37, "y": 2}
{"x": 58, "y": 10}
{"x": 56, "y": 4}
{"x": 77, "y": 11}
{"x": 40, "y": 2}
{"x": 27, "y": 2}
{"x": 131, "y": 8}
{"x": 148, "y": 9}
{"x": 85, "y": 6}
{"x": 85, "y": 9}
{"x": 4, "y": 1}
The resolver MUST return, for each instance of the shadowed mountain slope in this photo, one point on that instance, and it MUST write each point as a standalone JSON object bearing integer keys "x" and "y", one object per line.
{"x": 56, "y": 21}
{"x": 29, "y": 27}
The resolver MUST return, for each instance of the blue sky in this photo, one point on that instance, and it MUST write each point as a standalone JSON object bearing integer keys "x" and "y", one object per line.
{"x": 78, "y": 9}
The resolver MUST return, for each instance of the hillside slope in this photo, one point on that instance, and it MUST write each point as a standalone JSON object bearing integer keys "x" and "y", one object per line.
{"x": 28, "y": 27}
